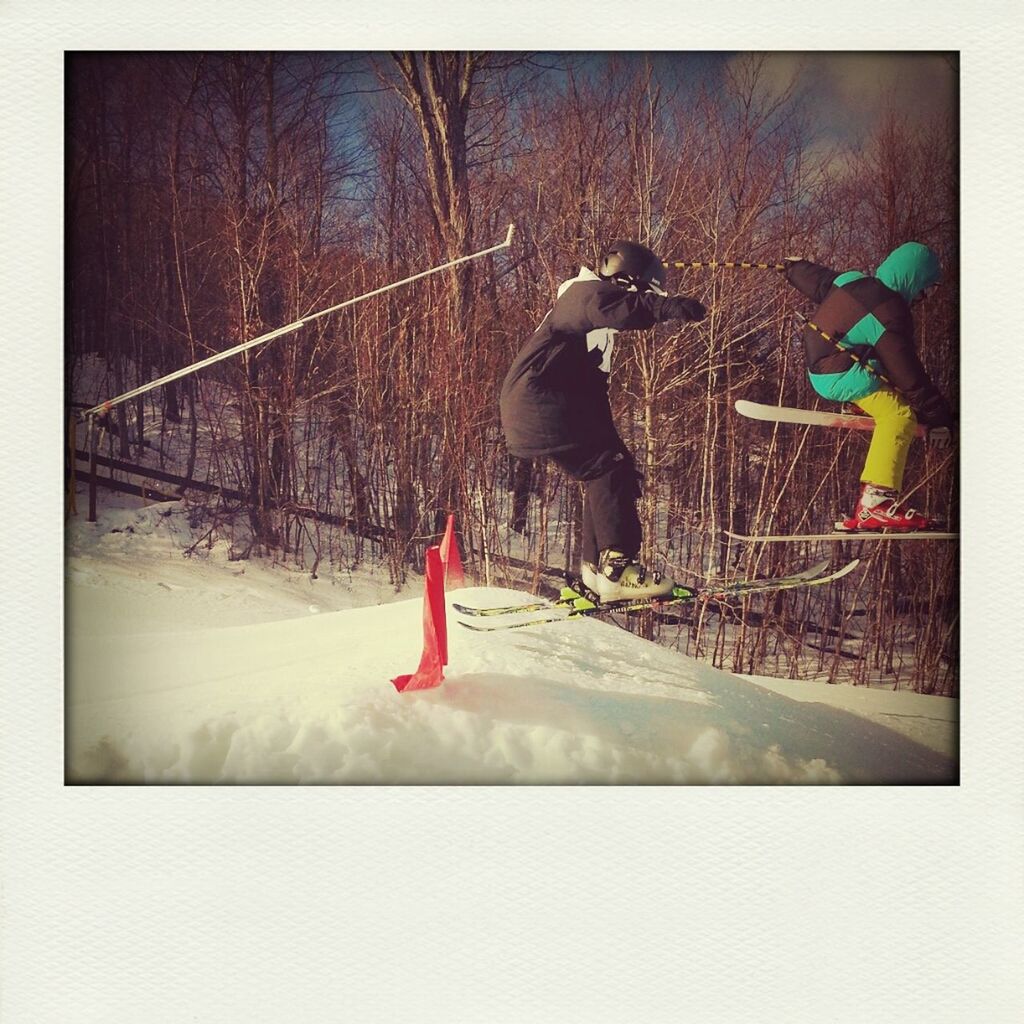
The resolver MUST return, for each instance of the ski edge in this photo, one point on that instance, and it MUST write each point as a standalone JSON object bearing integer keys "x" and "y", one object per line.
{"x": 482, "y": 628}
{"x": 507, "y": 609}
{"x": 741, "y": 586}
{"x": 852, "y": 535}
{"x": 784, "y": 582}
{"x": 740, "y": 589}
{"x": 809, "y": 417}
{"x": 570, "y": 606}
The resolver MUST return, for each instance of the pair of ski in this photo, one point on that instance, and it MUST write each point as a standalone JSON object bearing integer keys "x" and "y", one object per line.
{"x": 578, "y": 602}
{"x": 810, "y": 417}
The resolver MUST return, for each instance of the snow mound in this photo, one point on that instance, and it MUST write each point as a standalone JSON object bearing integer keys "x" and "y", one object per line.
{"x": 308, "y": 699}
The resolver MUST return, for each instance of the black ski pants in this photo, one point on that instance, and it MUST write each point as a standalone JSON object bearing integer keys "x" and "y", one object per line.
{"x": 611, "y": 487}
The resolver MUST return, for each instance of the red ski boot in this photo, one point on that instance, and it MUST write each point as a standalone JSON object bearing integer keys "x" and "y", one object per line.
{"x": 877, "y": 509}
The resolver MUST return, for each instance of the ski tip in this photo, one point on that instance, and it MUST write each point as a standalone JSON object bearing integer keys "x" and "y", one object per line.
{"x": 846, "y": 569}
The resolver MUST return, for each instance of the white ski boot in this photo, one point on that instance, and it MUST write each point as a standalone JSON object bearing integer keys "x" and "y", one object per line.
{"x": 618, "y": 577}
{"x": 878, "y": 509}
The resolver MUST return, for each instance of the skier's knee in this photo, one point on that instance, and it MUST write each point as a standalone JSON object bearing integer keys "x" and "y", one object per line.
{"x": 905, "y": 416}
{"x": 905, "y": 423}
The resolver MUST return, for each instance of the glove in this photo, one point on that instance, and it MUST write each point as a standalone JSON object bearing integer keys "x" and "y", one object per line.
{"x": 690, "y": 309}
{"x": 787, "y": 260}
{"x": 939, "y": 437}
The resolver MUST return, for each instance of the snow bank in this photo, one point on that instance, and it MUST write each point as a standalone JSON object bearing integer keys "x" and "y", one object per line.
{"x": 208, "y": 671}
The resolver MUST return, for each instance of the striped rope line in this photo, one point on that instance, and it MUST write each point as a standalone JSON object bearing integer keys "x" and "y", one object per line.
{"x": 842, "y": 348}
{"x": 728, "y": 265}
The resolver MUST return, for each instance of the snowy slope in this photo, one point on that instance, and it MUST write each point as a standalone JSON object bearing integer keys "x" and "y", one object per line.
{"x": 202, "y": 670}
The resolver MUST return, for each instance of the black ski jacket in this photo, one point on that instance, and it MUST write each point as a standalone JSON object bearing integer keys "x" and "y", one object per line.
{"x": 555, "y": 395}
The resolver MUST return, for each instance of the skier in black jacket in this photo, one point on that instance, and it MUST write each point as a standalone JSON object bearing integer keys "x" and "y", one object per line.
{"x": 554, "y": 403}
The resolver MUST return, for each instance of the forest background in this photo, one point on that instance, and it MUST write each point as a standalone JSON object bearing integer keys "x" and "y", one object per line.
{"x": 212, "y": 197}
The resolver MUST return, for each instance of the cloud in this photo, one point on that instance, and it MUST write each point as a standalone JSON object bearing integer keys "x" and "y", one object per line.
{"x": 847, "y": 91}
{"x": 921, "y": 85}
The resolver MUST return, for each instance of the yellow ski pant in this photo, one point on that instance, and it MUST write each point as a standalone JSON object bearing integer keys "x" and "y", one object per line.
{"x": 890, "y": 442}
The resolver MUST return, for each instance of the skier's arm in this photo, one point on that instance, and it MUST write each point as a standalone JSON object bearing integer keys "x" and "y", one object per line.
{"x": 812, "y": 280}
{"x": 625, "y": 310}
{"x": 677, "y": 307}
{"x": 900, "y": 363}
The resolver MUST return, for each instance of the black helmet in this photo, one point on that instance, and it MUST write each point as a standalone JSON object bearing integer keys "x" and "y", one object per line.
{"x": 630, "y": 263}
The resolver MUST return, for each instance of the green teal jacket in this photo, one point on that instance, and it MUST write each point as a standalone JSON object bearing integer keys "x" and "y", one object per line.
{"x": 870, "y": 321}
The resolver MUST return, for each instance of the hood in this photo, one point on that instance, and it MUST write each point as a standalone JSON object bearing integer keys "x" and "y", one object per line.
{"x": 909, "y": 270}
{"x": 585, "y": 274}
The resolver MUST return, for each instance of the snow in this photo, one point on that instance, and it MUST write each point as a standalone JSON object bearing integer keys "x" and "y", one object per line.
{"x": 207, "y": 670}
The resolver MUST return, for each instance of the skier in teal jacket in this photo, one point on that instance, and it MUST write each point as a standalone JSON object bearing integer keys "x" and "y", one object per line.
{"x": 869, "y": 359}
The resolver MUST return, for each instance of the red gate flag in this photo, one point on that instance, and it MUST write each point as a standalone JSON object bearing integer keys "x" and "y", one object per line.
{"x": 453, "y": 574}
{"x": 435, "y": 631}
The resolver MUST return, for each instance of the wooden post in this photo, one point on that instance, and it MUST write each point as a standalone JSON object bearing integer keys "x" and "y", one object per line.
{"x": 72, "y": 506}
{"x": 92, "y": 469}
